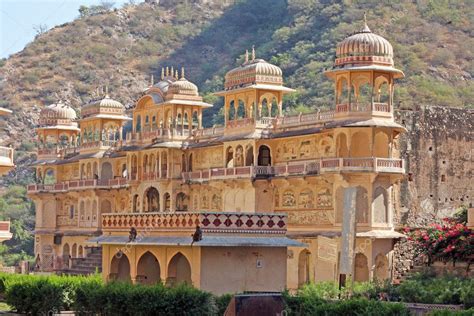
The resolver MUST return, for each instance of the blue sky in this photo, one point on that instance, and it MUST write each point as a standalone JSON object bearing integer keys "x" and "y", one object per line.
{"x": 19, "y": 17}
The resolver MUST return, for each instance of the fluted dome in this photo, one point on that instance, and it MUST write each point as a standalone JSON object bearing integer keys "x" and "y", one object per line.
{"x": 364, "y": 48}
{"x": 183, "y": 86}
{"x": 105, "y": 105}
{"x": 252, "y": 72}
{"x": 58, "y": 111}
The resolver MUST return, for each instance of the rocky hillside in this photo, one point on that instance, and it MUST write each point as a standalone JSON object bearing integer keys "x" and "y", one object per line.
{"x": 120, "y": 48}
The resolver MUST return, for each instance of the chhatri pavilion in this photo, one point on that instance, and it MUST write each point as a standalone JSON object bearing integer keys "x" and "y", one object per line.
{"x": 254, "y": 205}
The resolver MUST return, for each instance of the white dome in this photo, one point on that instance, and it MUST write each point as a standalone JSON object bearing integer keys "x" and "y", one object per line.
{"x": 183, "y": 86}
{"x": 254, "y": 71}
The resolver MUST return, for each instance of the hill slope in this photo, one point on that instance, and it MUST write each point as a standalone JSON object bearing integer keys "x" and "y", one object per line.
{"x": 432, "y": 42}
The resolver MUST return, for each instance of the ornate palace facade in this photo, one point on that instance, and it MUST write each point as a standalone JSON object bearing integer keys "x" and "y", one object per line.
{"x": 266, "y": 189}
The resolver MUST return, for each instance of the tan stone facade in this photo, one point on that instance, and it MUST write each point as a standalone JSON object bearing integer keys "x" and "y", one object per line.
{"x": 265, "y": 189}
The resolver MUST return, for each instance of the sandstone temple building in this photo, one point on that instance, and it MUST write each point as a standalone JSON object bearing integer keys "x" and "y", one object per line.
{"x": 253, "y": 205}
{"x": 6, "y": 164}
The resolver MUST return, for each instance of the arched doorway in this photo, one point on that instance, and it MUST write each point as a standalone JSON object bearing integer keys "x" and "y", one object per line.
{"x": 80, "y": 252}
{"x": 381, "y": 272}
{"x": 167, "y": 202}
{"x": 66, "y": 254}
{"x": 148, "y": 269}
{"x": 49, "y": 177}
{"x": 135, "y": 203}
{"x": 120, "y": 268}
{"x": 303, "y": 268}
{"x": 182, "y": 202}
{"x": 361, "y": 268}
{"x": 179, "y": 270}
{"x": 264, "y": 156}
{"x": 74, "y": 251}
{"x": 229, "y": 160}
{"x": 106, "y": 172}
{"x": 152, "y": 200}
{"x": 249, "y": 156}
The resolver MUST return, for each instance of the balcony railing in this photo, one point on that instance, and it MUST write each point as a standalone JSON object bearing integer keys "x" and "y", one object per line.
{"x": 274, "y": 223}
{"x": 309, "y": 167}
{"x": 6, "y": 156}
{"x": 78, "y": 185}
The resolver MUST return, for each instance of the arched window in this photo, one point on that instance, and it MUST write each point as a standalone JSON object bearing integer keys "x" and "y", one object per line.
{"x": 182, "y": 202}
{"x": 135, "y": 203}
{"x": 360, "y": 145}
{"x": 239, "y": 156}
{"x": 167, "y": 202}
{"x": 342, "y": 96}
{"x": 241, "y": 109}
{"x": 231, "y": 115}
{"x": 264, "y": 156}
{"x": 303, "y": 267}
{"x": 249, "y": 156}
{"x": 195, "y": 119}
{"x": 190, "y": 162}
{"x": 380, "y": 205}
{"x": 229, "y": 157}
{"x": 151, "y": 201}
{"x": 49, "y": 176}
{"x": 138, "y": 124}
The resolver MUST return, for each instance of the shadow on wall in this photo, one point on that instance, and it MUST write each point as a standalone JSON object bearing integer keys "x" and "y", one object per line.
{"x": 216, "y": 48}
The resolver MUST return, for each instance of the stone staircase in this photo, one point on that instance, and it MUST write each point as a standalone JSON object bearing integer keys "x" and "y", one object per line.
{"x": 87, "y": 265}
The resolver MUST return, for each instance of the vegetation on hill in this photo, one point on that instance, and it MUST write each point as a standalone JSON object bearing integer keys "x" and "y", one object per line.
{"x": 121, "y": 48}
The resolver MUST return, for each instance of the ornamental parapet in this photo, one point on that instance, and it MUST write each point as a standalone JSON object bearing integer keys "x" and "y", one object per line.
{"x": 78, "y": 185}
{"x": 209, "y": 222}
{"x": 308, "y": 167}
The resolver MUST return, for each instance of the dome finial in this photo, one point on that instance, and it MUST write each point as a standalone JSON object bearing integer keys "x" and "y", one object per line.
{"x": 152, "y": 80}
{"x": 253, "y": 52}
{"x": 182, "y": 72}
{"x": 167, "y": 71}
{"x": 162, "y": 73}
{"x": 366, "y": 27}
{"x": 106, "y": 91}
{"x": 246, "y": 56}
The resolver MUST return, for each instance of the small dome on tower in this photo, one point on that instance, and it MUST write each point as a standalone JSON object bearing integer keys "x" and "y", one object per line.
{"x": 253, "y": 72}
{"x": 105, "y": 105}
{"x": 58, "y": 111}
{"x": 183, "y": 86}
{"x": 364, "y": 48}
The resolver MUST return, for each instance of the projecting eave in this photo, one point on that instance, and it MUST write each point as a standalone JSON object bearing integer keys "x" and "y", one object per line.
{"x": 377, "y": 123}
{"x": 106, "y": 116}
{"x": 207, "y": 241}
{"x": 60, "y": 127}
{"x": 260, "y": 86}
{"x": 331, "y": 73}
{"x": 381, "y": 234}
{"x": 186, "y": 102}
{"x": 4, "y": 111}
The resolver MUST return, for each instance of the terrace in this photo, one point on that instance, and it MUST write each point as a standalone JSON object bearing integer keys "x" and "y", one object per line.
{"x": 307, "y": 167}
{"x": 78, "y": 185}
{"x": 209, "y": 222}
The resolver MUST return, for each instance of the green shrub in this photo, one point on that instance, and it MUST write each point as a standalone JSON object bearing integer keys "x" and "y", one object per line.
{"x": 222, "y": 302}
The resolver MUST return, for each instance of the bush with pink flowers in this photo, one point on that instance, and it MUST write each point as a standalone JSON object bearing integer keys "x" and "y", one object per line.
{"x": 451, "y": 240}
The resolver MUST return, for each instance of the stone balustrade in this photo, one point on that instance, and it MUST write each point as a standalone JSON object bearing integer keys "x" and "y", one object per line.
{"x": 78, "y": 185}
{"x": 274, "y": 223}
{"x": 309, "y": 167}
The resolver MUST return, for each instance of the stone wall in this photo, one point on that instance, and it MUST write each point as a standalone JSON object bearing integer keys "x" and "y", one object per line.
{"x": 438, "y": 149}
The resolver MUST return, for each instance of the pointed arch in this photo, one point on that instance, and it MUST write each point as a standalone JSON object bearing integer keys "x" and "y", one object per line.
{"x": 148, "y": 269}
{"x": 120, "y": 268}
{"x": 179, "y": 270}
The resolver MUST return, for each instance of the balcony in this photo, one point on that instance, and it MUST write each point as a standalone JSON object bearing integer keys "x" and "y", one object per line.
{"x": 247, "y": 223}
{"x": 150, "y": 135}
{"x": 309, "y": 167}
{"x": 78, "y": 185}
{"x": 5, "y": 233}
{"x": 6, "y": 159}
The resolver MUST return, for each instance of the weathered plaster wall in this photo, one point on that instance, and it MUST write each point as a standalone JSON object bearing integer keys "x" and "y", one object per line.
{"x": 438, "y": 149}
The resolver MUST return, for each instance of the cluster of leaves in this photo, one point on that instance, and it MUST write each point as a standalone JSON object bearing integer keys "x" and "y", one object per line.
{"x": 431, "y": 289}
{"x": 451, "y": 240}
{"x": 16, "y": 207}
{"x": 46, "y": 294}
